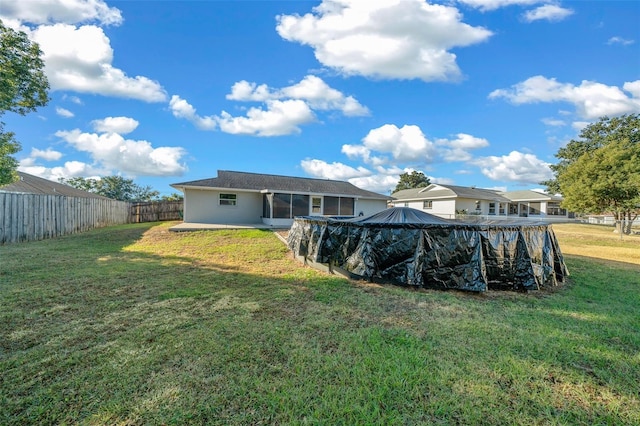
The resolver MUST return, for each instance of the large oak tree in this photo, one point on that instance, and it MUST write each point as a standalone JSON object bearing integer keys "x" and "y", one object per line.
{"x": 114, "y": 187}
{"x": 23, "y": 88}
{"x": 411, "y": 180}
{"x": 600, "y": 172}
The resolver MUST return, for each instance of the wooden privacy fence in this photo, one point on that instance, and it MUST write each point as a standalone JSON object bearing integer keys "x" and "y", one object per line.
{"x": 27, "y": 217}
{"x": 156, "y": 211}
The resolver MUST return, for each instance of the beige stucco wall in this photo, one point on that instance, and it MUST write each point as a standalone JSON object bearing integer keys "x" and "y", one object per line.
{"x": 442, "y": 208}
{"x": 202, "y": 206}
{"x": 369, "y": 207}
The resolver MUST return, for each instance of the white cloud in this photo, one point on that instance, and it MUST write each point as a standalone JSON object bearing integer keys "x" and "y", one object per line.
{"x": 335, "y": 170}
{"x": 283, "y": 110}
{"x": 553, "y": 122}
{"x": 390, "y": 145}
{"x": 515, "y": 167}
{"x": 121, "y": 125}
{"x": 389, "y": 39}
{"x": 80, "y": 59}
{"x": 591, "y": 99}
{"x": 320, "y": 96}
{"x": 458, "y": 149}
{"x": 620, "y": 40}
{"x": 407, "y": 143}
{"x": 76, "y": 100}
{"x": 549, "y": 12}
{"x": 363, "y": 153}
{"x": 311, "y": 89}
{"x": 487, "y": 5}
{"x": 579, "y": 125}
{"x": 48, "y": 154}
{"x": 62, "y": 112}
{"x": 68, "y": 170}
{"x": 633, "y": 87}
{"x": 246, "y": 91}
{"x": 180, "y": 108}
{"x": 61, "y": 11}
{"x": 382, "y": 182}
{"x": 279, "y": 118}
{"x": 134, "y": 158}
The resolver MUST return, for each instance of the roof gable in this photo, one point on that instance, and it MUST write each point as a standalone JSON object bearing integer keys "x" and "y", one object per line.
{"x": 263, "y": 182}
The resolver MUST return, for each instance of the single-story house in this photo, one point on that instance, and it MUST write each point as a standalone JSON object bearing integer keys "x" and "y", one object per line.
{"x": 251, "y": 198}
{"x": 447, "y": 201}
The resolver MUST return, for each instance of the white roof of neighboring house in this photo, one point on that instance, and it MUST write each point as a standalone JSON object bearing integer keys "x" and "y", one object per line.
{"x": 437, "y": 191}
{"x": 440, "y": 191}
{"x": 530, "y": 195}
{"x": 29, "y": 184}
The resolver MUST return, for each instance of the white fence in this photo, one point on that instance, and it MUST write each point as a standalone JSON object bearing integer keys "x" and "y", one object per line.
{"x": 28, "y": 217}
{"x": 478, "y": 218}
{"x": 609, "y": 220}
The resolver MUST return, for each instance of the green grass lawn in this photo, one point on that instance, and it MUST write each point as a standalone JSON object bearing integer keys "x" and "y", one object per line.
{"x": 135, "y": 325}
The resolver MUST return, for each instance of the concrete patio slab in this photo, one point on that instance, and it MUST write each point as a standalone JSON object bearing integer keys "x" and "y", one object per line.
{"x": 188, "y": 226}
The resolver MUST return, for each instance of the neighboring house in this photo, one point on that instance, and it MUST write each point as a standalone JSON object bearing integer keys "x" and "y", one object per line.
{"x": 534, "y": 203}
{"x": 248, "y": 198}
{"x": 29, "y": 184}
{"x": 449, "y": 200}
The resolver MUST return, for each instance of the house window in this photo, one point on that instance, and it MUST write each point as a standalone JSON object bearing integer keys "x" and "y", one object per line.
{"x": 501, "y": 208}
{"x": 492, "y": 208}
{"x": 338, "y": 206}
{"x": 316, "y": 205}
{"x": 554, "y": 209}
{"x": 534, "y": 208}
{"x": 281, "y": 206}
{"x": 406, "y": 204}
{"x": 266, "y": 205}
{"x": 299, "y": 205}
{"x": 427, "y": 204}
{"x": 478, "y": 205}
{"x": 346, "y": 206}
{"x": 227, "y": 199}
{"x": 331, "y": 206}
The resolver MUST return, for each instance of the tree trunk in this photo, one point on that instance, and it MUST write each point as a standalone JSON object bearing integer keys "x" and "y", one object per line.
{"x": 628, "y": 223}
{"x": 618, "y": 218}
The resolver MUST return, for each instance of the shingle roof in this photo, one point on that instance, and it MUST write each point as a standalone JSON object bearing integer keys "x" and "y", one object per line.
{"x": 449, "y": 191}
{"x": 530, "y": 195}
{"x": 261, "y": 182}
{"x": 29, "y": 184}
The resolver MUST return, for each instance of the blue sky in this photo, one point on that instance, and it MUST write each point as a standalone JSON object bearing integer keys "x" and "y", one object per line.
{"x": 470, "y": 92}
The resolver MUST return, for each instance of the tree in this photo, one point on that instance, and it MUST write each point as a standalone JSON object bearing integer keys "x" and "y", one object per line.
{"x": 114, "y": 187}
{"x": 23, "y": 88}
{"x": 174, "y": 196}
{"x": 412, "y": 180}
{"x": 600, "y": 172}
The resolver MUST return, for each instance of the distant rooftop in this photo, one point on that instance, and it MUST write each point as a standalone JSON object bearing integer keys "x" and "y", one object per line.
{"x": 29, "y": 184}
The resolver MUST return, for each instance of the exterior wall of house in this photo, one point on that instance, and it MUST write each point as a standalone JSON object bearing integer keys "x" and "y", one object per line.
{"x": 203, "y": 206}
{"x": 442, "y": 208}
{"x": 369, "y": 207}
{"x": 470, "y": 206}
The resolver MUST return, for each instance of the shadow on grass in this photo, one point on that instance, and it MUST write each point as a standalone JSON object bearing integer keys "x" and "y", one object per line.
{"x": 139, "y": 325}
